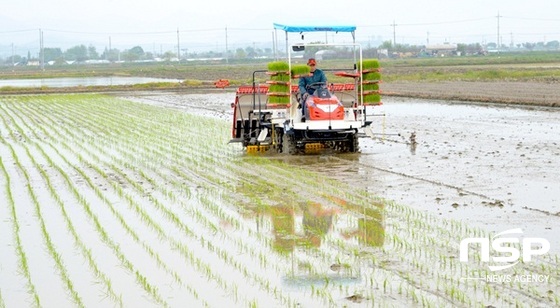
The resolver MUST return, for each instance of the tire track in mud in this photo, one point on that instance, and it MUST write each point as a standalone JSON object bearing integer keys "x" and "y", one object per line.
{"x": 419, "y": 179}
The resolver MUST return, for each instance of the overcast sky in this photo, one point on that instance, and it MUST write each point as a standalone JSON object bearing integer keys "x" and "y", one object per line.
{"x": 154, "y": 24}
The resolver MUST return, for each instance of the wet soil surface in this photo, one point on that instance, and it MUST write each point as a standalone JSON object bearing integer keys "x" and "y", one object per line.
{"x": 510, "y": 92}
{"x": 491, "y": 166}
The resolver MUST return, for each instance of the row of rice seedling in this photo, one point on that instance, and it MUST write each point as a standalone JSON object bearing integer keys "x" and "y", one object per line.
{"x": 82, "y": 200}
{"x": 19, "y": 237}
{"x": 46, "y": 234}
{"x": 222, "y": 251}
{"x": 101, "y": 277}
{"x": 128, "y": 228}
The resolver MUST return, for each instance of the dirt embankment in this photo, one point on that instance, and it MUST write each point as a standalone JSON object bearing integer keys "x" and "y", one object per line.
{"x": 521, "y": 93}
{"x": 514, "y": 92}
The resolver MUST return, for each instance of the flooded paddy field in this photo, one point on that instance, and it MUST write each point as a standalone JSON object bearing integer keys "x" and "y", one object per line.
{"x": 140, "y": 201}
{"x": 492, "y": 166}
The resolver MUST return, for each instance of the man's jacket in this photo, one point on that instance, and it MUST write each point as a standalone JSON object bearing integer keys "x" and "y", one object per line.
{"x": 317, "y": 76}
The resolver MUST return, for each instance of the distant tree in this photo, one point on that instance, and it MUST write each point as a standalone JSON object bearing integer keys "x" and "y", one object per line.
{"x": 110, "y": 55}
{"x": 462, "y": 48}
{"x": 240, "y": 53}
{"x": 16, "y": 59}
{"x": 137, "y": 50}
{"x": 529, "y": 46}
{"x": 92, "y": 53}
{"x": 407, "y": 48}
{"x": 52, "y": 54}
{"x": 168, "y": 55}
{"x": 553, "y": 45}
{"x": 474, "y": 49}
{"x": 250, "y": 52}
{"x": 386, "y": 45}
{"x": 133, "y": 54}
{"x": 77, "y": 53}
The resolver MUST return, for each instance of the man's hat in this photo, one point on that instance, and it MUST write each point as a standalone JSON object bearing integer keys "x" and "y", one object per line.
{"x": 311, "y": 61}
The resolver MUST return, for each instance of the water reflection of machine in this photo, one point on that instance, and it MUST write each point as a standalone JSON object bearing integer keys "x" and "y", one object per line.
{"x": 313, "y": 220}
{"x": 300, "y": 230}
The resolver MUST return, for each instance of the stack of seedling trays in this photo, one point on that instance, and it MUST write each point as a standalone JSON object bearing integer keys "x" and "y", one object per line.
{"x": 371, "y": 77}
{"x": 300, "y": 70}
{"x": 279, "y": 89}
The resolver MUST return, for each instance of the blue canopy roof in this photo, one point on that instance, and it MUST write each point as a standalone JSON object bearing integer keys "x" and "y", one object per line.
{"x": 314, "y": 28}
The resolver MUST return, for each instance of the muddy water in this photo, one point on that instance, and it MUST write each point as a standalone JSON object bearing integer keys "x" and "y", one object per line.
{"x": 494, "y": 167}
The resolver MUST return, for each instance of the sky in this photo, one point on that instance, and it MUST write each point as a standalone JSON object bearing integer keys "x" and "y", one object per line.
{"x": 202, "y": 24}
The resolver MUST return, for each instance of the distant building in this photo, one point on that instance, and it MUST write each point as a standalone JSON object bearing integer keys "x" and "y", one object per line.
{"x": 441, "y": 50}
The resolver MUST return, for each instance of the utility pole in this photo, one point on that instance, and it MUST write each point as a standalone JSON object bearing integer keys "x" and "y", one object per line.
{"x": 275, "y": 43}
{"x": 394, "y": 25}
{"x": 178, "y": 48}
{"x": 511, "y": 40}
{"x": 13, "y": 64}
{"x": 41, "y": 51}
{"x": 498, "y": 34}
{"x": 227, "y": 51}
{"x": 428, "y": 38}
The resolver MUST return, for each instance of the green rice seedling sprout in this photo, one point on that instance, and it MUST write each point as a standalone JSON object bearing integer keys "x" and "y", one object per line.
{"x": 300, "y": 69}
{"x": 278, "y": 66}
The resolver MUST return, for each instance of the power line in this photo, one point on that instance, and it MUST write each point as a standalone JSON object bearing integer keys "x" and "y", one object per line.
{"x": 529, "y": 18}
{"x": 17, "y": 31}
{"x": 428, "y": 23}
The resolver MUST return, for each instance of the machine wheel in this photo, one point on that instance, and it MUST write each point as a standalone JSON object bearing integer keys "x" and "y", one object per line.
{"x": 353, "y": 145}
{"x": 290, "y": 144}
{"x": 279, "y": 139}
{"x": 350, "y": 145}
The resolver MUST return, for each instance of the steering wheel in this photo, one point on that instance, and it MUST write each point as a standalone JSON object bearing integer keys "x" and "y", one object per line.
{"x": 316, "y": 85}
